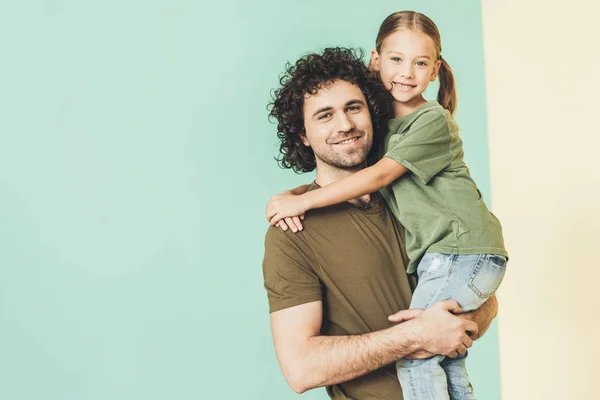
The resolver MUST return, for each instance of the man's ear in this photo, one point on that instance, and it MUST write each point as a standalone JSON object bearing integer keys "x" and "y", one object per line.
{"x": 304, "y": 138}
{"x": 374, "y": 63}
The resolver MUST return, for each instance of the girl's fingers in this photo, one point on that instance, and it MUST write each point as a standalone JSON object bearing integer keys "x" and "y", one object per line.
{"x": 291, "y": 224}
{"x": 282, "y": 225}
{"x": 297, "y": 222}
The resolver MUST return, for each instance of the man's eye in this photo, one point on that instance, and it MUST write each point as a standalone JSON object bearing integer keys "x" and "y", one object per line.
{"x": 324, "y": 116}
{"x": 353, "y": 108}
{"x": 396, "y": 59}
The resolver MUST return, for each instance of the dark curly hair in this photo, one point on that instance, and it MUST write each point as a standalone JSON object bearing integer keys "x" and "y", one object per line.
{"x": 307, "y": 76}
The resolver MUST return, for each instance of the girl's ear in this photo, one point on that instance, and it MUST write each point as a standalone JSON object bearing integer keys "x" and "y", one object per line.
{"x": 374, "y": 63}
{"x": 436, "y": 70}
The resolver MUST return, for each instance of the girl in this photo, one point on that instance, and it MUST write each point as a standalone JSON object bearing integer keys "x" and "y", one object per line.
{"x": 454, "y": 242}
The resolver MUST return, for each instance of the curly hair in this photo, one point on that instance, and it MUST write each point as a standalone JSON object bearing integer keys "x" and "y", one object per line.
{"x": 306, "y": 77}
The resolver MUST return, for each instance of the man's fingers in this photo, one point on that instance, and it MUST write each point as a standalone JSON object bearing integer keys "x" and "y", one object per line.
{"x": 302, "y": 217}
{"x": 405, "y": 315}
{"x": 467, "y": 342}
{"x": 471, "y": 328}
{"x": 419, "y": 355}
{"x": 453, "y": 354}
{"x": 451, "y": 306}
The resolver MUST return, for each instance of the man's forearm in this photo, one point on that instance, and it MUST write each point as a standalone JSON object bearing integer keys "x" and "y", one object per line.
{"x": 328, "y": 360}
{"x": 310, "y": 360}
{"x": 483, "y": 316}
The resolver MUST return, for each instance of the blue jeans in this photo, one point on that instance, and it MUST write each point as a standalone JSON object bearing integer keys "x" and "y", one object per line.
{"x": 469, "y": 279}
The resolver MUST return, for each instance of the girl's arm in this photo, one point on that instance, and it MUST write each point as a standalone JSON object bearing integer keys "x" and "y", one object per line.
{"x": 363, "y": 182}
{"x": 299, "y": 190}
{"x": 293, "y": 223}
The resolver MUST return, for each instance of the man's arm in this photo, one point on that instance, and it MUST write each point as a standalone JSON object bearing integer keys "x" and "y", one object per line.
{"x": 482, "y": 316}
{"x": 309, "y": 360}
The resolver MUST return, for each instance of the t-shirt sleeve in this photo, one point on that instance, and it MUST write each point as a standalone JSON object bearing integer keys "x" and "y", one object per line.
{"x": 288, "y": 273}
{"x": 425, "y": 148}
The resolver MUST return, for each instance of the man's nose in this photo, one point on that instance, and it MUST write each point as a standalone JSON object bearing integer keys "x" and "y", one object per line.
{"x": 345, "y": 123}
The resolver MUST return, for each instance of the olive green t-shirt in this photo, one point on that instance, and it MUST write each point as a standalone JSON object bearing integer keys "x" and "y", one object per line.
{"x": 354, "y": 262}
{"x": 437, "y": 201}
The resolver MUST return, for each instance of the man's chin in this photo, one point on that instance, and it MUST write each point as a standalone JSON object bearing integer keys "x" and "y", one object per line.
{"x": 351, "y": 164}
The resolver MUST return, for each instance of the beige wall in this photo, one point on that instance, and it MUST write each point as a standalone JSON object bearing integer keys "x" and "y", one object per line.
{"x": 542, "y": 67}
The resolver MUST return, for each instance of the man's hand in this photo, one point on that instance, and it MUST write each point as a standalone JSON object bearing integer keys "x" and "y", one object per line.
{"x": 440, "y": 332}
{"x": 288, "y": 207}
{"x": 482, "y": 316}
{"x": 407, "y": 315}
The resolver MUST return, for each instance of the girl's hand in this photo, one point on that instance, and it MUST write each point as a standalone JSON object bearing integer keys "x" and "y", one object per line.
{"x": 292, "y": 222}
{"x": 286, "y": 209}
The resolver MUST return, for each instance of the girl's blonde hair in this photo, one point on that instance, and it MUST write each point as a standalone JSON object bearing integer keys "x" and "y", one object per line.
{"x": 412, "y": 20}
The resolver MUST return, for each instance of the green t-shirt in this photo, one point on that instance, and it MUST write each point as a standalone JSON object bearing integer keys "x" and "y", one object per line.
{"x": 437, "y": 201}
{"x": 352, "y": 260}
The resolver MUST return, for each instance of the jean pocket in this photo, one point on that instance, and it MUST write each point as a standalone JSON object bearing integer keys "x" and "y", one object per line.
{"x": 487, "y": 275}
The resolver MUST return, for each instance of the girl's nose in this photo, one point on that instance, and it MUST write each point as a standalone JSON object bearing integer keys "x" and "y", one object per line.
{"x": 407, "y": 73}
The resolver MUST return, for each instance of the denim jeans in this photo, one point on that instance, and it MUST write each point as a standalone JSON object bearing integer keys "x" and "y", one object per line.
{"x": 469, "y": 279}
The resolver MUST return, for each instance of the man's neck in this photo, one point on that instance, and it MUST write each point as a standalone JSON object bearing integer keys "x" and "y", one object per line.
{"x": 327, "y": 174}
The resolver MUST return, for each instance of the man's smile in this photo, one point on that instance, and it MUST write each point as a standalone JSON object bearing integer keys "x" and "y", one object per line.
{"x": 347, "y": 140}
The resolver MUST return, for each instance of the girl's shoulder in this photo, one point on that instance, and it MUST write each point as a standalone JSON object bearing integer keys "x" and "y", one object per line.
{"x": 431, "y": 117}
{"x": 430, "y": 113}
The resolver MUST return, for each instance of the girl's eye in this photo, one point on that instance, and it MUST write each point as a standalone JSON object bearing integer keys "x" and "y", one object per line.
{"x": 421, "y": 63}
{"x": 396, "y": 59}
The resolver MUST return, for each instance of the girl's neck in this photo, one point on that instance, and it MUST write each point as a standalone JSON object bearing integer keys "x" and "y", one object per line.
{"x": 405, "y": 108}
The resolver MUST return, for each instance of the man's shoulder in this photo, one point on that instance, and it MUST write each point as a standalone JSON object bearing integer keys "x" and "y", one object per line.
{"x": 320, "y": 226}
{"x": 283, "y": 245}
{"x": 277, "y": 236}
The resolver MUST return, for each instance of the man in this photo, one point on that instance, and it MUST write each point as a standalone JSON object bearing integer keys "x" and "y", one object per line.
{"x": 332, "y": 285}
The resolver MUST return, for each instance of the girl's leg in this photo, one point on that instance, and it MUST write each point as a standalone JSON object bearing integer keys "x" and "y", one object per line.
{"x": 468, "y": 279}
{"x": 426, "y": 379}
{"x": 474, "y": 279}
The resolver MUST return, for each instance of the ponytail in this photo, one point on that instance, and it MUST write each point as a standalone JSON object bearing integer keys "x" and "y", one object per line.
{"x": 447, "y": 92}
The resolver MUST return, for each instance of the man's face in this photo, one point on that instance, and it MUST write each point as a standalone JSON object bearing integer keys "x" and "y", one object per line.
{"x": 338, "y": 125}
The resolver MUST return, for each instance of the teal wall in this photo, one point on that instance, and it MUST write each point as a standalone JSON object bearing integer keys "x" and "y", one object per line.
{"x": 135, "y": 163}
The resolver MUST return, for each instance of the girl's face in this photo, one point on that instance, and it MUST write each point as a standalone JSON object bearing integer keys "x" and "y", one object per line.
{"x": 406, "y": 64}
